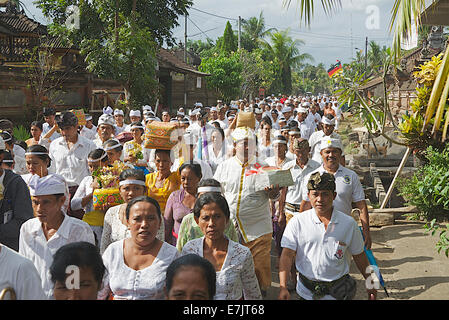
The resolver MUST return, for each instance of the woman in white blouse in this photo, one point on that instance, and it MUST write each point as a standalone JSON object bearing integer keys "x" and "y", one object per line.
{"x": 136, "y": 266}
{"x": 236, "y": 278}
{"x": 132, "y": 185}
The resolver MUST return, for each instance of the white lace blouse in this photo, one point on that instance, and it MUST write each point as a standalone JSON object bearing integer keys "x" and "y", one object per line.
{"x": 114, "y": 229}
{"x": 237, "y": 276}
{"x": 129, "y": 284}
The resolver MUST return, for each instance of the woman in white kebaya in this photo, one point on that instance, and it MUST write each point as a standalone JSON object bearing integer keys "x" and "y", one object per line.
{"x": 137, "y": 265}
{"x": 233, "y": 262}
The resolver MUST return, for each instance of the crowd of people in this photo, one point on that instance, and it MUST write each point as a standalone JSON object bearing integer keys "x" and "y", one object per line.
{"x": 194, "y": 224}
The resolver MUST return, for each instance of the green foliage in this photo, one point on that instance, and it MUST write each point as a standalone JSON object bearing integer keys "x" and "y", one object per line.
{"x": 228, "y": 43}
{"x": 310, "y": 78}
{"x": 285, "y": 54}
{"x": 428, "y": 188}
{"x": 21, "y": 133}
{"x": 443, "y": 242}
{"x": 124, "y": 51}
{"x": 226, "y": 74}
{"x": 256, "y": 72}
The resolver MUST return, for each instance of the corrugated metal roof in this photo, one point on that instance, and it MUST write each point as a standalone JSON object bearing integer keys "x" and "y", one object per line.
{"x": 166, "y": 56}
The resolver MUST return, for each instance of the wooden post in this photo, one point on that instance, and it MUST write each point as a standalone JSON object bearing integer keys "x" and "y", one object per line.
{"x": 398, "y": 172}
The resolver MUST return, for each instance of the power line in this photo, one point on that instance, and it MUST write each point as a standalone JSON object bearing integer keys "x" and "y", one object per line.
{"x": 215, "y": 15}
{"x": 198, "y": 27}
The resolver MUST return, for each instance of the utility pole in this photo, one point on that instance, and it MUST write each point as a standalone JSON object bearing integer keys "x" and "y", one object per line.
{"x": 185, "y": 60}
{"x": 366, "y": 57}
{"x": 240, "y": 32}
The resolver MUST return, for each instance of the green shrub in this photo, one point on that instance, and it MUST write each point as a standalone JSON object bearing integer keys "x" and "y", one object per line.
{"x": 21, "y": 133}
{"x": 428, "y": 188}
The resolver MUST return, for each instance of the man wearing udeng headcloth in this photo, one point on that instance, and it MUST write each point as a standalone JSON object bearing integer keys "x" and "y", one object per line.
{"x": 321, "y": 242}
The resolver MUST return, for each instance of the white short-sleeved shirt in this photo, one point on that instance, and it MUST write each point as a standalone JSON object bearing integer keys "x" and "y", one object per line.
{"x": 294, "y": 194}
{"x": 34, "y": 246}
{"x": 322, "y": 254}
{"x": 348, "y": 188}
{"x": 20, "y": 274}
{"x": 129, "y": 284}
{"x": 71, "y": 164}
{"x": 237, "y": 277}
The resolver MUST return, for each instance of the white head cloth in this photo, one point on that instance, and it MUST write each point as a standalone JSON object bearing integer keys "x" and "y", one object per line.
{"x": 106, "y": 119}
{"x": 134, "y": 113}
{"x": 48, "y": 185}
{"x": 331, "y": 143}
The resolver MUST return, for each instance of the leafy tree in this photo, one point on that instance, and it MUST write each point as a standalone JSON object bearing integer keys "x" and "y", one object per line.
{"x": 286, "y": 54}
{"x": 119, "y": 38}
{"x": 228, "y": 42}
{"x": 256, "y": 73}
{"x": 253, "y": 32}
{"x": 226, "y": 74}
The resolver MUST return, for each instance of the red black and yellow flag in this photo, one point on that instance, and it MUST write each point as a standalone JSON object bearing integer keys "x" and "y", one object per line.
{"x": 335, "y": 69}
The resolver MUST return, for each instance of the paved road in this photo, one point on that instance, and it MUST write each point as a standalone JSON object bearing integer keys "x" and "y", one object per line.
{"x": 411, "y": 266}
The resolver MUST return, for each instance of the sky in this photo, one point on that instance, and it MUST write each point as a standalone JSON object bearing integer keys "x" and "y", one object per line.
{"x": 328, "y": 39}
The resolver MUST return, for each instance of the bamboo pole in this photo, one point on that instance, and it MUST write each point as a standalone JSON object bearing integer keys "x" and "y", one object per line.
{"x": 398, "y": 172}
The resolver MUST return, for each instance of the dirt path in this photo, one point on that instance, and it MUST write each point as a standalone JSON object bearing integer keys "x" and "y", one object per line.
{"x": 408, "y": 260}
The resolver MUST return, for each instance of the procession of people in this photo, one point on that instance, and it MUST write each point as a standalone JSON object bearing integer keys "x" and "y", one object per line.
{"x": 193, "y": 220}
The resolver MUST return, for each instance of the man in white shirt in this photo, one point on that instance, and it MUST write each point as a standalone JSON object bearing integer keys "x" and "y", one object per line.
{"x": 134, "y": 116}
{"x": 19, "y": 274}
{"x": 301, "y": 167}
{"x": 349, "y": 189}
{"x": 42, "y": 236}
{"x": 105, "y": 129}
{"x": 328, "y": 124}
{"x": 250, "y": 208}
{"x": 49, "y": 114}
{"x": 320, "y": 243}
{"x": 69, "y": 155}
{"x": 119, "y": 117}
{"x": 304, "y": 126}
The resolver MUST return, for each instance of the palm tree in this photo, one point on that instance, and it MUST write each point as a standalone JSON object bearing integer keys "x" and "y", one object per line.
{"x": 254, "y": 31}
{"x": 403, "y": 14}
{"x": 285, "y": 52}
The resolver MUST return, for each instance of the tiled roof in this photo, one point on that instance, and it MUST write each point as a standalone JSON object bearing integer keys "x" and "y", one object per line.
{"x": 20, "y": 23}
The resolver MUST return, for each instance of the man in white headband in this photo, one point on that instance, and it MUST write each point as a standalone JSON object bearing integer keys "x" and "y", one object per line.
{"x": 250, "y": 209}
{"x": 328, "y": 125}
{"x": 15, "y": 204}
{"x": 105, "y": 129}
{"x": 348, "y": 187}
{"x": 51, "y": 229}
